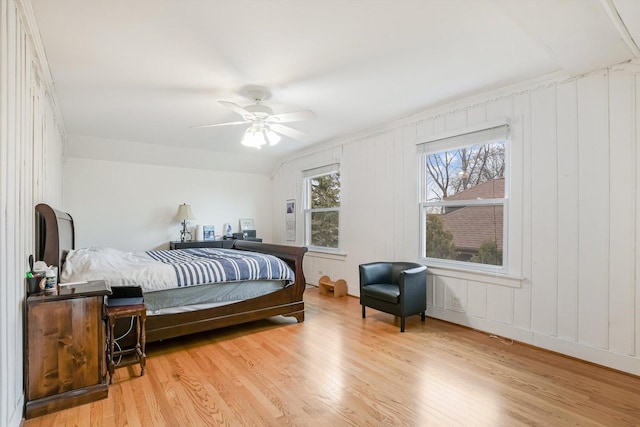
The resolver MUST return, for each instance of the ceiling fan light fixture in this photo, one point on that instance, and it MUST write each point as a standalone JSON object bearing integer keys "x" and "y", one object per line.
{"x": 270, "y": 136}
{"x": 253, "y": 138}
{"x": 258, "y": 135}
{"x": 265, "y": 126}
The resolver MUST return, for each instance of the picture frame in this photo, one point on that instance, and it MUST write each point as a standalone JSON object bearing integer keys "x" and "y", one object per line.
{"x": 208, "y": 232}
{"x": 290, "y": 221}
{"x": 246, "y": 224}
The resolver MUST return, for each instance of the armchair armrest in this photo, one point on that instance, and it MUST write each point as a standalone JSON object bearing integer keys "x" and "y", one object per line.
{"x": 413, "y": 284}
{"x": 413, "y": 277}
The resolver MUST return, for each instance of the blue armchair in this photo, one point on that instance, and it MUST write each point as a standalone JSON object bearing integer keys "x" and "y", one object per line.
{"x": 398, "y": 288}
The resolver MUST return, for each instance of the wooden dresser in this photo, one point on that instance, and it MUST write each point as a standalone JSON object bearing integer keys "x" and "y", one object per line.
{"x": 225, "y": 244}
{"x": 65, "y": 348}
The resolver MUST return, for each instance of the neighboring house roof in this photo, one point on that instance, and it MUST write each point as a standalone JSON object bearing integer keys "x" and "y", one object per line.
{"x": 492, "y": 189}
{"x": 473, "y": 225}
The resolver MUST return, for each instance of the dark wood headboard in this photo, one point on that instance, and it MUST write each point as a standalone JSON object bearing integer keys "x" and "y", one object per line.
{"x": 55, "y": 235}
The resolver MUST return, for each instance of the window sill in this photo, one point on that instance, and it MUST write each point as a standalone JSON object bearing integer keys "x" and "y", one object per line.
{"x": 478, "y": 276}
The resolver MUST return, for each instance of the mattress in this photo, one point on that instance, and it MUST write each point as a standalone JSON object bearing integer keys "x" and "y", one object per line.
{"x": 208, "y": 295}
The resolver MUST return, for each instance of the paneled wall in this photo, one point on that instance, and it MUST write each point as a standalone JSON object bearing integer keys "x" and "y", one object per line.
{"x": 573, "y": 214}
{"x": 31, "y": 146}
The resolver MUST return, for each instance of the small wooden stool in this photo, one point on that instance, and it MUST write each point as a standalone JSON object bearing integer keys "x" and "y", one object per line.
{"x": 138, "y": 311}
{"x": 326, "y": 285}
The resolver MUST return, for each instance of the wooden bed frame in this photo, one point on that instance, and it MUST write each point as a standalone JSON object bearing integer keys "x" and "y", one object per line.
{"x": 55, "y": 236}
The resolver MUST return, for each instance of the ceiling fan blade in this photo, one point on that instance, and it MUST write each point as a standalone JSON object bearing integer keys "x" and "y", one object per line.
{"x": 287, "y": 131}
{"x": 235, "y": 107}
{"x": 294, "y": 116}
{"x": 220, "y": 124}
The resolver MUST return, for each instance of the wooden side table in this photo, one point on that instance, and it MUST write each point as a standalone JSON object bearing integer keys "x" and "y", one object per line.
{"x": 132, "y": 355}
{"x": 64, "y": 363}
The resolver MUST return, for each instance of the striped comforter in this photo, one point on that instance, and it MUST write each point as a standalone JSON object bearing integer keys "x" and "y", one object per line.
{"x": 159, "y": 270}
{"x": 206, "y": 265}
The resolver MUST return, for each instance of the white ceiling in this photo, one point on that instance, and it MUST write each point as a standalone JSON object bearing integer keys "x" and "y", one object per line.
{"x": 147, "y": 70}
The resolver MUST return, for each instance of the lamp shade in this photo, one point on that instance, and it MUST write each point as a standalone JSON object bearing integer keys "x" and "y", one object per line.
{"x": 258, "y": 135}
{"x": 184, "y": 213}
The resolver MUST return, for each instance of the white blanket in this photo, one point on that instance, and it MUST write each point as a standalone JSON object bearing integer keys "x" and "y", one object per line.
{"x": 118, "y": 268}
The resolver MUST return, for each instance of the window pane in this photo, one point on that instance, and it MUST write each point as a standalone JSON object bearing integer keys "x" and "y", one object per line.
{"x": 465, "y": 233}
{"x": 325, "y": 191}
{"x": 455, "y": 174}
{"x": 324, "y": 229}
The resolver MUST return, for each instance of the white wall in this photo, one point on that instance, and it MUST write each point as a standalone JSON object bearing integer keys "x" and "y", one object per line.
{"x": 132, "y": 207}
{"x": 573, "y": 222}
{"x": 31, "y": 146}
{"x": 573, "y": 226}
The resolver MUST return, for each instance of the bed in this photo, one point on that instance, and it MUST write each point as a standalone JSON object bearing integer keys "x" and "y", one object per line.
{"x": 55, "y": 238}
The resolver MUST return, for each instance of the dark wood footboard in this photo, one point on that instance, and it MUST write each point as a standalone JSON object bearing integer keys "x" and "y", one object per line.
{"x": 285, "y": 302}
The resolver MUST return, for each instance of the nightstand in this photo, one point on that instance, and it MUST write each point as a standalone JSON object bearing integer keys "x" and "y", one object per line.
{"x": 64, "y": 348}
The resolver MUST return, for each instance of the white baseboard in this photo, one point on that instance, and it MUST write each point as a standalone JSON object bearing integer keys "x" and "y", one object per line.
{"x": 15, "y": 420}
{"x": 599, "y": 356}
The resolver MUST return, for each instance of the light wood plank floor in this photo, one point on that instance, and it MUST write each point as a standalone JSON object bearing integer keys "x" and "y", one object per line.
{"x": 337, "y": 369}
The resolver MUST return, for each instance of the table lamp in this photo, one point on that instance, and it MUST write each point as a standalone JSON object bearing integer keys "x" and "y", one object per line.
{"x": 184, "y": 215}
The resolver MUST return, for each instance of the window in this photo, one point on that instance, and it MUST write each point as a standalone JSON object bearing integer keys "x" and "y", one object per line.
{"x": 322, "y": 207}
{"x": 464, "y": 200}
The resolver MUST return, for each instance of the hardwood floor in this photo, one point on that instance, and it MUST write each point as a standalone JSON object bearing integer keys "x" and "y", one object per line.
{"x": 337, "y": 369}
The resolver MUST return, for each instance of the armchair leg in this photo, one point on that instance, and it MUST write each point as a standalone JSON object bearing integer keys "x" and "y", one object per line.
{"x": 423, "y": 316}
{"x": 402, "y": 319}
{"x": 363, "y": 314}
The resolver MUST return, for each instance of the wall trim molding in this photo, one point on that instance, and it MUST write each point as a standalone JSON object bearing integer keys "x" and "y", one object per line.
{"x": 632, "y": 66}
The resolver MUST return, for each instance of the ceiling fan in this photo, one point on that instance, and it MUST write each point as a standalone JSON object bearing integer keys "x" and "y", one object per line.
{"x": 265, "y": 125}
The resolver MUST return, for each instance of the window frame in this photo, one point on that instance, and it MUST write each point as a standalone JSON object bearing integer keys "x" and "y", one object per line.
{"x": 307, "y": 177}
{"x": 452, "y": 141}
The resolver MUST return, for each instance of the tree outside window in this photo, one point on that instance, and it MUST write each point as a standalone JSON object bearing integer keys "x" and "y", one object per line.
{"x": 323, "y": 210}
{"x": 464, "y": 202}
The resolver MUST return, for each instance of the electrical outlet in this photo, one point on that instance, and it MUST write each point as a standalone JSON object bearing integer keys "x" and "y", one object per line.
{"x": 455, "y": 303}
